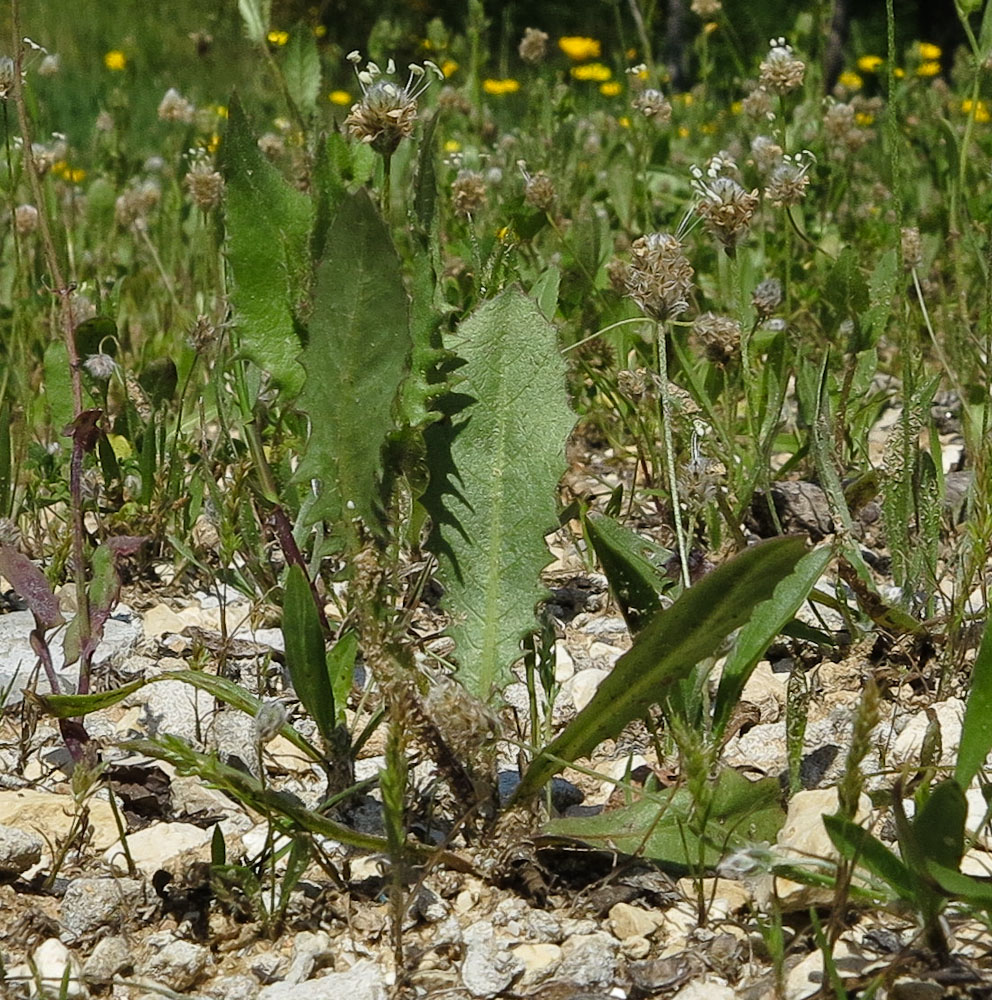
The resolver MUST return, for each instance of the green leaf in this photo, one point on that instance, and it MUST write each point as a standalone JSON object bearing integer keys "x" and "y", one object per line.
{"x": 356, "y": 358}
{"x": 938, "y": 826}
{"x": 159, "y": 380}
{"x": 268, "y": 228}
{"x": 305, "y": 656}
{"x": 881, "y": 294}
{"x": 666, "y": 651}
{"x": 634, "y": 579}
{"x": 58, "y": 386}
{"x": 495, "y": 464}
{"x": 768, "y": 620}
{"x": 976, "y": 730}
{"x": 301, "y": 68}
{"x": 6, "y": 451}
{"x": 961, "y": 886}
{"x": 856, "y": 844}
{"x": 256, "y": 15}
{"x": 669, "y": 827}
{"x": 341, "y": 671}
{"x": 544, "y": 291}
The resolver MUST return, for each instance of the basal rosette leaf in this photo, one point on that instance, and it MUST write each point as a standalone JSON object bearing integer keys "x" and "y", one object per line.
{"x": 495, "y": 462}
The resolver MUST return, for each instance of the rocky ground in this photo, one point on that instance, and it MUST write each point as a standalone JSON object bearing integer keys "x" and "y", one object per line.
{"x": 82, "y": 921}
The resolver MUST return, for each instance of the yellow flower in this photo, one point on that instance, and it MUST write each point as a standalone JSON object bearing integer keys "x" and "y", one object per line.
{"x": 340, "y": 97}
{"x": 928, "y": 68}
{"x": 278, "y": 37}
{"x": 929, "y": 52}
{"x": 683, "y": 132}
{"x": 623, "y": 121}
{"x": 864, "y": 119}
{"x": 709, "y": 27}
{"x": 850, "y": 80}
{"x": 870, "y": 64}
{"x": 452, "y": 146}
{"x": 115, "y": 60}
{"x": 592, "y": 71}
{"x": 319, "y": 30}
{"x": 736, "y": 107}
{"x": 448, "y": 67}
{"x": 898, "y": 72}
{"x": 578, "y": 48}
{"x": 500, "y": 87}
{"x": 220, "y": 110}
{"x": 978, "y": 109}
{"x": 610, "y": 89}
{"x": 74, "y": 175}
{"x": 685, "y": 98}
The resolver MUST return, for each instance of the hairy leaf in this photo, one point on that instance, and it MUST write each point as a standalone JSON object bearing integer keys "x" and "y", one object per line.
{"x": 495, "y": 464}
{"x": 301, "y": 68}
{"x": 31, "y": 584}
{"x": 305, "y": 656}
{"x": 356, "y": 359}
{"x": 858, "y": 845}
{"x": 672, "y": 829}
{"x": 268, "y": 229}
{"x": 666, "y": 651}
{"x": 255, "y": 14}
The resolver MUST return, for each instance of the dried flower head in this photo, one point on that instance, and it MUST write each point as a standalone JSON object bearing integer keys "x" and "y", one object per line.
{"x": 450, "y": 99}
{"x": 204, "y": 185}
{"x": 25, "y": 219}
{"x": 132, "y": 208}
{"x": 757, "y": 105}
{"x": 788, "y": 182}
{"x": 465, "y": 722}
{"x": 706, "y": 9}
{"x": 269, "y": 719}
{"x": 766, "y": 153}
{"x": 724, "y": 206}
{"x": 100, "y": 366}
{"x": 767, "y": 297}
{"x": 6, "y": 77}
{"x": 203, "y": 333}
{"x": 539, "y": 192}
{"x": 175, "y": 108}
{"x": 912, "y": 248}
{"x": 653, "y": 105}
{"x": 386, "y": 113}
{"x": 468, "y": 192}
{"x": 51, "y": 65}
{"x": 659, "y": 276}
{"x": 781, "y": 72}
{"x": 719, "y": 335}
{"x": 533, "y": 46}
{"x": 699, "y": 479}
{"x": 271, "y": 144}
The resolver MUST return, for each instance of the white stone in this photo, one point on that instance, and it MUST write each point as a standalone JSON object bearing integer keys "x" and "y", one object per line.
{"x": 564, "y": 664}
{"x": 153, "y": 847}
{"x": 907, "y": 746}
{"x": 51, "y": 959}
{"x": 19, "y": 850}
{"x": 110, "y": 956}
{"x": 90, "y": 904}
{"x": 363, "y": 981}
{"x": 766, "y": 689}
{"x": 605, "y": 654}
{"x": 628, "y": 921}
{"x": 707, "y": 988}
{"x": 583, "y": 685}
{"x": 489, "y": 965}
{"x": 161, "y": 620}
{"x": 175, "y": 963}
{"x": 53, "y": 815}
{"x": 177, "y": 709}
{"x": 540, "y": 962}
{"x": 589, "y": 959}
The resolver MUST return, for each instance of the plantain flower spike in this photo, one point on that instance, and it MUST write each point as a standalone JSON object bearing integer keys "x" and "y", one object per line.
{"x": 384, "y": 116}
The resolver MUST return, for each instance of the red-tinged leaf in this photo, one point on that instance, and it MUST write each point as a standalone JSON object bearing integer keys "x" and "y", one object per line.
{"x": 85, "y": 429}
{"x": 30, "y": 583}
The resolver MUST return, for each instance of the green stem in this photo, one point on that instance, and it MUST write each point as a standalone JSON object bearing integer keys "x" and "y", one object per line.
{"x": 666, "y": 427}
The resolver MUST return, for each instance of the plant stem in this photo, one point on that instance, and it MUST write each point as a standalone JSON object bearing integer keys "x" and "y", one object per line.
{"x": 666, "y": 428}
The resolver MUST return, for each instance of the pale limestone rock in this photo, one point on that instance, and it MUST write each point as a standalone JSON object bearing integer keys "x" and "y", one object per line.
{"x": 45, "y": 812}
{"x": 540, "y": 962}
{"x": 156, "y": 845}
{"x": 583, "y": 685}
{"x": 161, "y": 620}
{"x": 19, "y": 850}
{"x": 628, "y": 921}
{"x": 51, "y": 959}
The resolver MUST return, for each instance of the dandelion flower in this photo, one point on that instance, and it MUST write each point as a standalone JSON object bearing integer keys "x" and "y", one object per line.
{"x": 929, "y": 68}
{"x": 499, "y": 88}
{"x": 115, "y": 60}
{"x": 851, "y": 80}
{"x": 594, "y": 71}
{"x": 870, "y": 64}
{"x": 579, "y": 49}
{"x": 279, "y": 38}
{"x": 341, "y": 97}
{"x": 610, "y": 89}
{"x": 929, "y": 52}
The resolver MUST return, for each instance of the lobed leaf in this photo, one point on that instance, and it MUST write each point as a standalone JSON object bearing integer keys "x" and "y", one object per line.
{"x": 495, "y": 464}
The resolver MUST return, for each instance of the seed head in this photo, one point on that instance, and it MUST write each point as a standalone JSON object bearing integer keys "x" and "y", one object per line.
{"x": 659, "y": 276}
{"x": 25, "y": 219}
{"x": 539, "y": 189}
{"x": 706, "y": 9}
{"x": 468, "y": 192}
{"x": 767, "y": 297}
{"x": 100, "y": 366}
{"x": 386, "y": 113}
{"x": 788, "y": 182}
{"x": 653, "y": 105}
{"x": 533, "y": 46}
{"x": 724, "y": 206}
{"x": 757, "y": 105}
{"x": 269, "y": 719}
{"x": 51, "y": 65}
{"x": 781, "y": 72}
{"x": 6, "y": 77}
{"x": 204, "y": 185}
{"x": 720, "y": 336}
{"x": 175, "y": 108}
{"x": 766, "y": 153}
{"x": 912, "y": 249}
{"x": 133, "y": 207}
